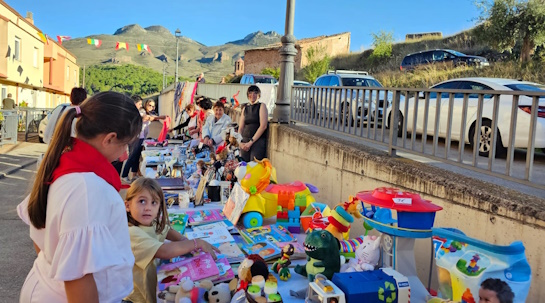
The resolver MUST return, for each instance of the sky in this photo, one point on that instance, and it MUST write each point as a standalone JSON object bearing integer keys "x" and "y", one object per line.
{"x": 215, "y": 22}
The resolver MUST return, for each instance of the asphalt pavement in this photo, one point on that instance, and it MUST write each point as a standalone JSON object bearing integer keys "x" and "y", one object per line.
{"x": 17, "y": 171}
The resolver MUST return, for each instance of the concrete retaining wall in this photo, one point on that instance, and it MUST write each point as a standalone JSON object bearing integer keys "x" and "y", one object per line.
{"x": 482, "y": 210}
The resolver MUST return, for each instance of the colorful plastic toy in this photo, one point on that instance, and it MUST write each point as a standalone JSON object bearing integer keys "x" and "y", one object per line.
{"x": 281, "y": 267}
{"x": 377, "y": 286}
{"x": 256, "y": 179}
{"x": 324, "y": 291}
{"x": 342, "y": 216}
{"x": 463, "y": 263}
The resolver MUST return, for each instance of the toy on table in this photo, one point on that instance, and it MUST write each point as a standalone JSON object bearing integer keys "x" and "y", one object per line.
{"x": 187, "y": 291}
{"x": 342, "y": 216}
{"x": 253, "y": 265}
{"x": 255, "y": 180}
{"x": 414, "y": 218}
{"x": 463, "y": 263}
{"x": 220, "y": 293}
{"x": 377, "y": 286}
{"x": 281, "y": 267}
{"x": 323, "y": 256}
{"x": 366, "y": 257}
{"x": 324, "y": 291}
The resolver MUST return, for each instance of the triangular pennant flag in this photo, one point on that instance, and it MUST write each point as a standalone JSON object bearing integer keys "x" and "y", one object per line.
{"x": 43, "y": 37}
{"x": 63, "y": 38}
{"x": 142, "y": 47}
{"x": 120, "y": 45}
{"x": 94, "y": 42}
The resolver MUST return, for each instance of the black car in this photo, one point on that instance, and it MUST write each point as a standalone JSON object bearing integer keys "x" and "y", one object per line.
{"x": 441, "y": 56}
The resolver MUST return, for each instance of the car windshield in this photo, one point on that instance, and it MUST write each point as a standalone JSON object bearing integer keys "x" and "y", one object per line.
{"x": 265, "y": 80}
{"x": 361, "y": 82}
{"x": 527, "y": 87}
{"x": 457, "y": 53}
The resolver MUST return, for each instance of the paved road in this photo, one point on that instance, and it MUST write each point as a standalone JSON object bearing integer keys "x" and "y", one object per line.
{"x": 519, "y": 163}
{"x": 15, "y": 245}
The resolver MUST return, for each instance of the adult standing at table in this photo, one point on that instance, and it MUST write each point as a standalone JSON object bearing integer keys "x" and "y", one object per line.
{"x": 253, "y": 126}
{"x": 211, "y": 131}
{"x": 136, "y": 150}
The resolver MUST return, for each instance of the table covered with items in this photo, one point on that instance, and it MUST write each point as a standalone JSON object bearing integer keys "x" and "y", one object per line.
{"x": 279, "y": 244}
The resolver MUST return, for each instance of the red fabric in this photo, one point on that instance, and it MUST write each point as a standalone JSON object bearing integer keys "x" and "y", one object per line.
{"x": 202, "y": 115}
{"x": 83, "y": 158}
{"x": 163, "y": 134}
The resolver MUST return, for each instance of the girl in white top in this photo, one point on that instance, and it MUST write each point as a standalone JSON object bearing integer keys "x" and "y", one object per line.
{"x": 148, "y": 227}
{"x": 76, "y": 215}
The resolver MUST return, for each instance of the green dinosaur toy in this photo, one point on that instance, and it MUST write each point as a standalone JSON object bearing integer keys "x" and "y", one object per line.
{"x": 323, "y": 257}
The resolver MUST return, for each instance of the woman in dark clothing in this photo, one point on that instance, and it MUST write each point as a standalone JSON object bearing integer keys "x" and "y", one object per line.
{"x": 253, "y": 127}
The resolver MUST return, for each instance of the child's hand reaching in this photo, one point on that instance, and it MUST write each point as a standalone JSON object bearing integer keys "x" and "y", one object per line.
{"x": 207, "y": 247}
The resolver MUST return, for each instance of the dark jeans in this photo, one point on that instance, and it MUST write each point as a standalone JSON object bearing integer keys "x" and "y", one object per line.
{"x": 257, "y": 151}
{"x": 134, "y": 158}
{"x": 118, "y": 166}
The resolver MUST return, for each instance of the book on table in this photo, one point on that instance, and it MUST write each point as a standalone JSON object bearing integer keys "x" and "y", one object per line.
{"x": 220, "y": 237}
{"x": 197, "y": 268}
{"x": 178, "y": 222}
{"x": 220, "y": 224}
{"x": 265, "y": 249}
{"x": 273, "y": 233}
{"x": 226, "y": 272}
{"x": 204, "y": 216}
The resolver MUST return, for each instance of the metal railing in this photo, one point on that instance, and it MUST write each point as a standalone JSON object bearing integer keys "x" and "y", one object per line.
{"x": 437, "y": 124}
{"x": 30, "y": 118}
{"x": 8, "y": 127}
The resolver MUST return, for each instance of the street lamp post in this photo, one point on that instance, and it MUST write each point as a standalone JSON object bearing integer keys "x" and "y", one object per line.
{"x": 281, "y": 113}
{"x": 178, "y": 34}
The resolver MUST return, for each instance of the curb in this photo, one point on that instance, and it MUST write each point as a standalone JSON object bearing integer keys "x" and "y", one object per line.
{"x": 16, "y": 168}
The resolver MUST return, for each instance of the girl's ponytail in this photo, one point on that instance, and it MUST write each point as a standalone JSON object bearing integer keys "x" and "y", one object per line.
{"x": 37, "y": 204}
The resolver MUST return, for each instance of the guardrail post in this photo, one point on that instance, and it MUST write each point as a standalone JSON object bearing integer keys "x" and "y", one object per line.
{"x": 394, "y": 121}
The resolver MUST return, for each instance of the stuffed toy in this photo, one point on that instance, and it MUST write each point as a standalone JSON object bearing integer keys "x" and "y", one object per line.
{"x": 323, "y": 257}
{"x": 281, "y": 267}
{"x": 220, "y": 293}
{"x": 253, "y": 265}
{"x": 190, "y": 292}
{"x": 367, "y": 256}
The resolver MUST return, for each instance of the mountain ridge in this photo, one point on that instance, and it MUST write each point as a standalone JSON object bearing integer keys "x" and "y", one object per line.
{"x": 194, "y": 57}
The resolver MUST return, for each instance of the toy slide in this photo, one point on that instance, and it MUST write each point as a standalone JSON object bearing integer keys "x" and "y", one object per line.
{"x": 463, "y": 263}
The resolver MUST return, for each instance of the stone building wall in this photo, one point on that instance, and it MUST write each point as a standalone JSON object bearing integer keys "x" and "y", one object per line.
{"x": 256, "y": 60}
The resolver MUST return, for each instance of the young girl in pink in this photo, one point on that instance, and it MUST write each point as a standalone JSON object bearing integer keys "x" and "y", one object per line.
{"x": 149, "y": 227}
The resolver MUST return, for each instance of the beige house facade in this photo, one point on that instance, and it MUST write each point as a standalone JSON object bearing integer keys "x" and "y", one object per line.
{"x": 255, "y": 60}
{"x": 41, "y": 74}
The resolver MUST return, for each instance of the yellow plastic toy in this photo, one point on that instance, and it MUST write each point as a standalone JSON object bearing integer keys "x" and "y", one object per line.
{"x": 255, "y": 180}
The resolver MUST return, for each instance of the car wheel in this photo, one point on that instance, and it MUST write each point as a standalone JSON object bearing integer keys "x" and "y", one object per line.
{"x": 41, "y": 139}
{"x": 485, "y": 140}
{"x": 399, "y": 124}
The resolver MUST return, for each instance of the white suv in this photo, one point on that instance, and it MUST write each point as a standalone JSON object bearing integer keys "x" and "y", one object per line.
{"x": 350, "y": 101}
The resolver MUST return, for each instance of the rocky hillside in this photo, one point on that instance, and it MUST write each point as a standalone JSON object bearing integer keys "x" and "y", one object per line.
{"x": 195, "y": 57}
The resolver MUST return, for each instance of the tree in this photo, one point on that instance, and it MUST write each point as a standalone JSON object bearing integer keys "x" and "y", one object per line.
{"x": 382, "y": 43}
{"x": 510, "y": 23}
{"x": 318, "y": 63}
{"x": 275, "y": 72}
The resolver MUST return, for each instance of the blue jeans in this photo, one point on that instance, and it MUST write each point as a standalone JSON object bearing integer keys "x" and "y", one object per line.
{"x": 134, "y": 158}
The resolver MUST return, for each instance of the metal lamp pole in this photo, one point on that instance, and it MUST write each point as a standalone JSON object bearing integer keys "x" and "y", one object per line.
{"x": 178, "y": 34}
{"x": 281, "y": 113}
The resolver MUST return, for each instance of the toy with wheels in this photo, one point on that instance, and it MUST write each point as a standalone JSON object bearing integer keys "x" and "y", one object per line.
{"x": 256, "y": 179}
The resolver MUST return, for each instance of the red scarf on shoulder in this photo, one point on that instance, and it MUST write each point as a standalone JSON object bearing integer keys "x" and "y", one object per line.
{"x": 83, "y": 158}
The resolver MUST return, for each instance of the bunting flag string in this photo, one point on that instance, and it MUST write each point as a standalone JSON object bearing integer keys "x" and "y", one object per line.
{"x": 120, "y": 45}
{"x": 141, "y": 47}
{"x": 43, "y": 37}
{"x": 94, "y": 42}
{"x": 63, "y": 38}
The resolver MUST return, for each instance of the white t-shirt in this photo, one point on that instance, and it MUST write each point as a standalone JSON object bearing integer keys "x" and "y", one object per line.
{"x": 86, "y": 232}
{"x": 52, "y": 122}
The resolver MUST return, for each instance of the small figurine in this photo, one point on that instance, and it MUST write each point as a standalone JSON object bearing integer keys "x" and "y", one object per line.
{"x": 281, "y": 266}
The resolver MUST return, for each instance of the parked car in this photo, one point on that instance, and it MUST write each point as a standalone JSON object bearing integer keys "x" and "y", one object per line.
{"x": 253, "y": 79}
{"x": 301, "y": 83}
{"x": 504, "y": 113}
{"x": 441, "y": 56}
{"x": 350, "y": 96}
{"x": 43, "y": 123}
